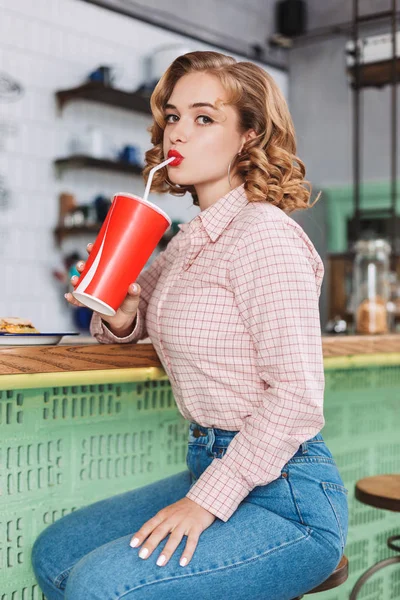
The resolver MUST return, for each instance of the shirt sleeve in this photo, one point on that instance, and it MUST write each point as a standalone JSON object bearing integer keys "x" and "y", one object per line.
{"x": 147, "y": 280}
{"x": 276, "y": 277}
{"x": 99, "y": 330}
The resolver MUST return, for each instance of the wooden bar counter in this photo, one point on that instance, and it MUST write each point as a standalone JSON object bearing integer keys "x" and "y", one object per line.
{"x": 82, "y": 421}
{"x": 80, "y": 354}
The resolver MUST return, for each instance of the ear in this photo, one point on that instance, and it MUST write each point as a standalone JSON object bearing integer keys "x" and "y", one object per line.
{"x": 250, "y": 134}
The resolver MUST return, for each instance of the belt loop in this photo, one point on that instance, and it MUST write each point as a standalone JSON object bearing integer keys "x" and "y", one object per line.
{"x": 304, "y": 448}
{"x": 211, "y": 440}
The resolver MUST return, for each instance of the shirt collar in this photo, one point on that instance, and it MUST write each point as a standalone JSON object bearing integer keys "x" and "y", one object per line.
{"x": 216, "y": 218}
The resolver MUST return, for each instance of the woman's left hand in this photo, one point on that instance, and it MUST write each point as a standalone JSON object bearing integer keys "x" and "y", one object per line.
{"x": 184, "y": 517}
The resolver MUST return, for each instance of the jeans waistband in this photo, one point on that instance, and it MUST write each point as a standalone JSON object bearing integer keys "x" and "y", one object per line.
{"x": 208, "y": 436}
{"x": 205, "y": 431}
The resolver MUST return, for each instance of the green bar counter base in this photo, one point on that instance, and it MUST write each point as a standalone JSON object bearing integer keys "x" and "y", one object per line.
{"x": 83, "y": 421}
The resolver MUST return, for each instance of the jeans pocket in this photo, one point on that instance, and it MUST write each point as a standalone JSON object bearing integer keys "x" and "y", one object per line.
{"x": 337, "y": 497}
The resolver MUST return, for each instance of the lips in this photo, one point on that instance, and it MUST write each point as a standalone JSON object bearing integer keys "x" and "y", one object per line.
{"x": 178, "y": 158}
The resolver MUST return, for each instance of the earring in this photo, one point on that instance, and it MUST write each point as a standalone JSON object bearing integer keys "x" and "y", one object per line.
{"x": 229, "y": 169}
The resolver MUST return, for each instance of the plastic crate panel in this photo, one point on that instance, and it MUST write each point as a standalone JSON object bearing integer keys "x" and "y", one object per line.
{"x": 21, "y": 590}
{"x": 395, "y": 584}
{"x": 154, "y": 395}
{"x": 15, "y": 530}
{"x": 121, "y": 454}
{"x": 27, "y": 411}
{"x": 11, "y": 407}
{"x": 175, "y": 438}
{"x": 18, "y": 531}
{"x": 358, "y": 554}
{"x": 362, "y": 515}
{"x": 368, "y": 417}
{"x": 143, "y": 451}
{"x": 362, "y": 413}
{"x": 48, "y": 515}
{"x": 29, "y": 467}
{"x": 65, "y": 447}
{"x": 362, "y": 378}
{"x": 82, "y": 402}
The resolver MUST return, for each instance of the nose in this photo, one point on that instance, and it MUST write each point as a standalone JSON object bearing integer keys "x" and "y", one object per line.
{"x": 179, "y": 132}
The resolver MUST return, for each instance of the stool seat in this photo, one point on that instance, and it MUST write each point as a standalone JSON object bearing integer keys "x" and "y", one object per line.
{"x": 338, "y": 577}
{"x": 381, "y": 491}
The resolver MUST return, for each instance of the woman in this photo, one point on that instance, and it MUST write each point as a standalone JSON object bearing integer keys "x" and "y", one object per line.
{"x": 231, "y": 307}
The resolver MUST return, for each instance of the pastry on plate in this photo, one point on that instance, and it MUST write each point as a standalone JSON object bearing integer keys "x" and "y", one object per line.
{"x": 16, "y": 325}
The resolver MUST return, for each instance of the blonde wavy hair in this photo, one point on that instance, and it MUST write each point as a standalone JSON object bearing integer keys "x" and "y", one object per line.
{"x": 268, "y": 164}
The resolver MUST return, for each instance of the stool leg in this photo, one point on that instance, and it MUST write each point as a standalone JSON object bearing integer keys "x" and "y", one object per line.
{"x": 380, "y": 565}
{"x": 391, "y": 544}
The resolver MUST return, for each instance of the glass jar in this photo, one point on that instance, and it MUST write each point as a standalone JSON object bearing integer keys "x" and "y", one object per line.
{"x": 394, "y": 302}
{"x": 371, "y": 286}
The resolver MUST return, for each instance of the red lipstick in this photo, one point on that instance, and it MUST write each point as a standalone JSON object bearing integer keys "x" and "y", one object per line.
{"x": 178, "y": 158}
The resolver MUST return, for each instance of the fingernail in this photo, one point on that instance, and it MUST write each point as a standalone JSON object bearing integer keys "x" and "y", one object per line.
{"x": 80, "y": 265}
{"x": 66, "y": 296}
{"x": 133, "y": 543}
{"x": 143, "y": 553}
{"x": 183, "y": 562}
{"x": 135, "y": 288}
{"x": 161, "y": 560}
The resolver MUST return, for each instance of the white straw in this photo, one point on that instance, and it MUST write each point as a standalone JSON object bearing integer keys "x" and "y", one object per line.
{"x": 153, "y": 170}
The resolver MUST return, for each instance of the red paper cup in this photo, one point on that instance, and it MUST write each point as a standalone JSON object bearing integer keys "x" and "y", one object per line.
{"x": 131, "y": 231}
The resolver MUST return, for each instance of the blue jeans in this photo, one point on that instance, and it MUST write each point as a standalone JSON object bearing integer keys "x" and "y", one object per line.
{"x": 285, "y": 537}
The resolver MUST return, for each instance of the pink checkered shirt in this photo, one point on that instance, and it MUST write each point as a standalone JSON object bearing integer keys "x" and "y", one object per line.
{"x": 231, "y": 307}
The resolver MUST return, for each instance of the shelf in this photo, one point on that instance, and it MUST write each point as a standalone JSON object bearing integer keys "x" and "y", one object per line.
{"x": 80, "y": 161}
{"x": 95, "y": 91}
{"x": 60, "y": 233}
{"x": 375, "y": 74}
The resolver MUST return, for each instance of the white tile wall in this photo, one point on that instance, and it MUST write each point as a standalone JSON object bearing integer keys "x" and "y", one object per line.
{"x": 48, "y": 45}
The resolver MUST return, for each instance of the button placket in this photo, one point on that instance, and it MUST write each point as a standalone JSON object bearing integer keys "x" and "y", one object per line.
{"x": 192, "y": 255}
{"x": 196, "y": 244}
{"x": 184, "y": 250}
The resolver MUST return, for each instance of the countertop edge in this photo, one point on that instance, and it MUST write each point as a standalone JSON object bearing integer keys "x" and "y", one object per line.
{"x": 81, "y": 360}
{"x": 74, "y": 378}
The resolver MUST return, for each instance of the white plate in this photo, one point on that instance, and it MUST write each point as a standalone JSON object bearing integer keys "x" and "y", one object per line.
{"x": 32, "y": 339}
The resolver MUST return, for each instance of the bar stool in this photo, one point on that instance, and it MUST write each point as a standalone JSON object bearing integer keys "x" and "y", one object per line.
{"x": 380, "y": 491}
{"x": 338, "y": 577}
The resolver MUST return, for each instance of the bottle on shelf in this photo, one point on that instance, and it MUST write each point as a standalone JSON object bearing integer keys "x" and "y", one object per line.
{"x": 371, "y": 286}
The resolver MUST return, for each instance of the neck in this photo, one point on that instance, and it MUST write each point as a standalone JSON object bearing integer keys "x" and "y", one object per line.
{"x": 210, "y": 192}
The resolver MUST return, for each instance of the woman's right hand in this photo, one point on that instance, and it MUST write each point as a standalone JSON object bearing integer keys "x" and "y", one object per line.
{"x": 125, "y": 316}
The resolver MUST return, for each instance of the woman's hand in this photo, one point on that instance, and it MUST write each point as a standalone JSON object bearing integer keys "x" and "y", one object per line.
{"x": 185, "y": 517}
{"x": 125, "y": 315}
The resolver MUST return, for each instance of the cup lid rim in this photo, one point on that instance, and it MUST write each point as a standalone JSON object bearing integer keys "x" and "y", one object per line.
{"x": 148, "y": 203}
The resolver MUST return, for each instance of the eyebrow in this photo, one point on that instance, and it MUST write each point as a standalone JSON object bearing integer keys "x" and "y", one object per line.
{"x": 195, "y": 105}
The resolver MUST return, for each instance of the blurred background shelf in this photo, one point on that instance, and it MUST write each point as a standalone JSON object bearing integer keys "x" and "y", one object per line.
{"x": 375, "y": 74}
{"x": 60, "y": 233}
{"x": 80, "y": 161}
{"x": 104, "y": 94}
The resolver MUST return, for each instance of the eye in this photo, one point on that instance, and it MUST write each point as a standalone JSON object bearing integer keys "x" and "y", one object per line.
{"x": 171, "y": 118}
{"x": 167, "y": 118}
{"x": 208, "y": 119}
